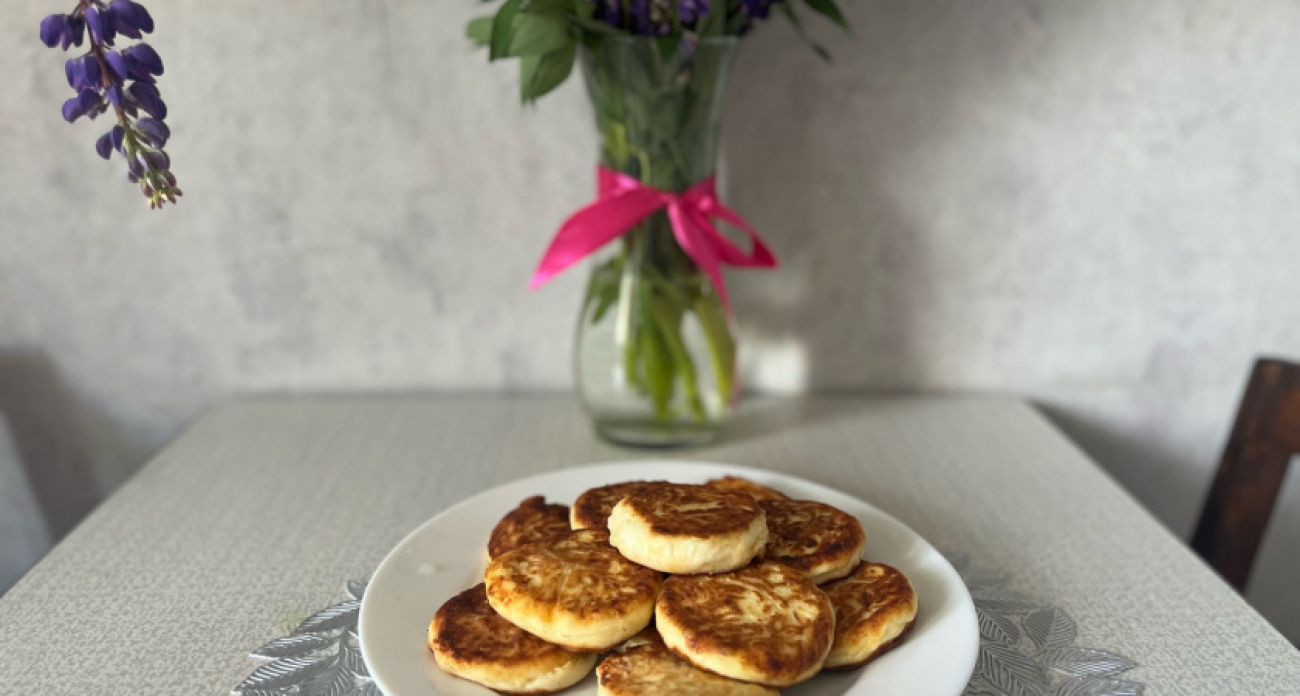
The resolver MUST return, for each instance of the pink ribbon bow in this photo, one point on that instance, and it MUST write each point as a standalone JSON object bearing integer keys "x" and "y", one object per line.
{"x": 623, "y": 202}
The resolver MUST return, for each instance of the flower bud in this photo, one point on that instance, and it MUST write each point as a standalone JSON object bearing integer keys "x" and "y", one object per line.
{"x": 154, "y": 131}
{"x": 117, "y": 135}
{"x": 104, "y": 146}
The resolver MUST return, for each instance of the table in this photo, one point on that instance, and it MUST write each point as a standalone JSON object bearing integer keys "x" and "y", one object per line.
{"x": 258, "y": 514}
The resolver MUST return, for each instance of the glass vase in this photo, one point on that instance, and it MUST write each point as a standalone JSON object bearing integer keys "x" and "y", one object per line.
{"x": 656, "y": 357}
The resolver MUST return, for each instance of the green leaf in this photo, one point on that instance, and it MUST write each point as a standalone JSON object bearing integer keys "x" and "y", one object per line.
{"x": 798, "y": 27}
{"x": 503, "y": 27}
{"x": 829, "y": 10}
{"x": 539, "y": 74}
{"x": 595, "y": 26}
{"x": 554, "y": 8}
{"x": 480, "y": 31}
{"x": 535, "y": 35}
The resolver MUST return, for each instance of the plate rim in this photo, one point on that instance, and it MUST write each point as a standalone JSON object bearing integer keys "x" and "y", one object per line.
{"x": 966, "y": 604}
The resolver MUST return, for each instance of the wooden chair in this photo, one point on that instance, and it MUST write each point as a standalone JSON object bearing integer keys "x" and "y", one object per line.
{"x": 1263, "y": 441}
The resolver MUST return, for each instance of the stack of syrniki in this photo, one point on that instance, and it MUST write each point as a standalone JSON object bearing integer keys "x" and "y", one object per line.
{"x": 740, "y": 614}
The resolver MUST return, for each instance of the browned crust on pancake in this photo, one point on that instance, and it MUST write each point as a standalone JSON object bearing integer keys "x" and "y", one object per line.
{"x": 578, "y": 575}
{"x": 708, "y": 611}
{"x": 757, "y": 491}
{"x": 533, "y": 520}
{"x": 591, "y": 509}
{"x": 806, "y": 534}
{"x": 468, "y": 630}
{"x": 623, "y": 673}
{"x": 678, "y": 509}
{"x": 871, "y": 598}
{"x": 878, "y": 652}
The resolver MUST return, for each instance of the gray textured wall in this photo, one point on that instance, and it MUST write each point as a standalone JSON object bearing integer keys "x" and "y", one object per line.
{"x": 1090, "y": 203}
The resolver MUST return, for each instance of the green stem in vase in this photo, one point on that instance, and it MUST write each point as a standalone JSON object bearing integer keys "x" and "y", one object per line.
{"x": 659, "y": 377}
{"x": 722, "y": 347}
{"x": 629, "y": 326}
{"x": 669, "y": 323}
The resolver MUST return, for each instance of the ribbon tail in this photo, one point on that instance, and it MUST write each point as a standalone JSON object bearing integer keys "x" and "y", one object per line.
{"x": 591, "y": 228}
{"x": 697, "y": 241}
{"x": 759, "y": 255}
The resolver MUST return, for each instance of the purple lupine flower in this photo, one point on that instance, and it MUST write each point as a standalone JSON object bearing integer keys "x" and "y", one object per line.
{"x": 87, "y": 101}
{"x": 116, "y": 65}
{"x": 155, "y": 131}
{"x": 115, "y": 95}
{"x": 76, "y": 75}
{"x": 155, "y": 159}
{"x": 691, "y": 11}
{"x": 651, "y": 17}
{"x": 129, "y": 18}
{"x": 100, "y": 23}
{"x": 609, "y": 12}
{"x": 144, "y": 54}
{"x": 104, "y": 146}
{"x": 124, "y": 79}
{"x": 758, "y": 9}
{"x": 117, "y": 136}
{"x": 76, "y": 32}
{"x": 62, "y": 30}
{"x": 146, "y": 95}
{"x": 53, "y": 28}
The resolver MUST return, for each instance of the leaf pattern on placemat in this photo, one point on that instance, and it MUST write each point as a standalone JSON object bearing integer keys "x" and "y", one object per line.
{"x": 1027, "y": 646}
{"x": 1000, "y": 600}
{"x": 321, "y": 657}
{"x": 290, "y": 646}
{"x": 1050, "y": 628}
{"x": 1011, "y": 672}
{"x": 997, "y": 628}
{"x": 1097, "y": 687}
{"x": 1083, "y": 662}
{"x": 340, "y": 615}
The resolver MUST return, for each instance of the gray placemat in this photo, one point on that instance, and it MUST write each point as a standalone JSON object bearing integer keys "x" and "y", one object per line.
{"x": 1027, "y": 648}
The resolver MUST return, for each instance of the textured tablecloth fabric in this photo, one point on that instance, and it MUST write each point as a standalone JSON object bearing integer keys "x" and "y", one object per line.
{"x": 252, "y": 519}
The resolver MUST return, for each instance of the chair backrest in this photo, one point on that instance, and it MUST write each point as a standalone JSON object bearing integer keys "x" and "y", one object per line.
{"x": 1264, "y": 439}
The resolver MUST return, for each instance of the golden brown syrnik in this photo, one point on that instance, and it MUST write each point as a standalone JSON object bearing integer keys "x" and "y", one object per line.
{"x": 575, "y": 590}
{"x": 875, "y": 606}
{"x": 591, "y": 509}
{"x": 820, "y": 541}
{"x": 533, "y": 520}
{"x": 757, "y": 491}
{"x": 472, "y": 642}
{"x": 644, "y": 667}
{"x": 679, "y": 528}
{"x": 765, "y": 623}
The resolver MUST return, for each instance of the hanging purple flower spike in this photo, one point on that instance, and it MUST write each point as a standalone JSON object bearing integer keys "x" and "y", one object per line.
{"x": 122, "y": 80}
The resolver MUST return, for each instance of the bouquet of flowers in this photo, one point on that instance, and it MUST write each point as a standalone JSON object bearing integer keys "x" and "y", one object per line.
{"x": 545, "y": 34}
{"x": 655, "y": 351}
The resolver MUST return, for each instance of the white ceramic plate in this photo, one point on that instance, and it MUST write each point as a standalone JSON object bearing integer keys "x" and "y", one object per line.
{"x": 448, "y": 554}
